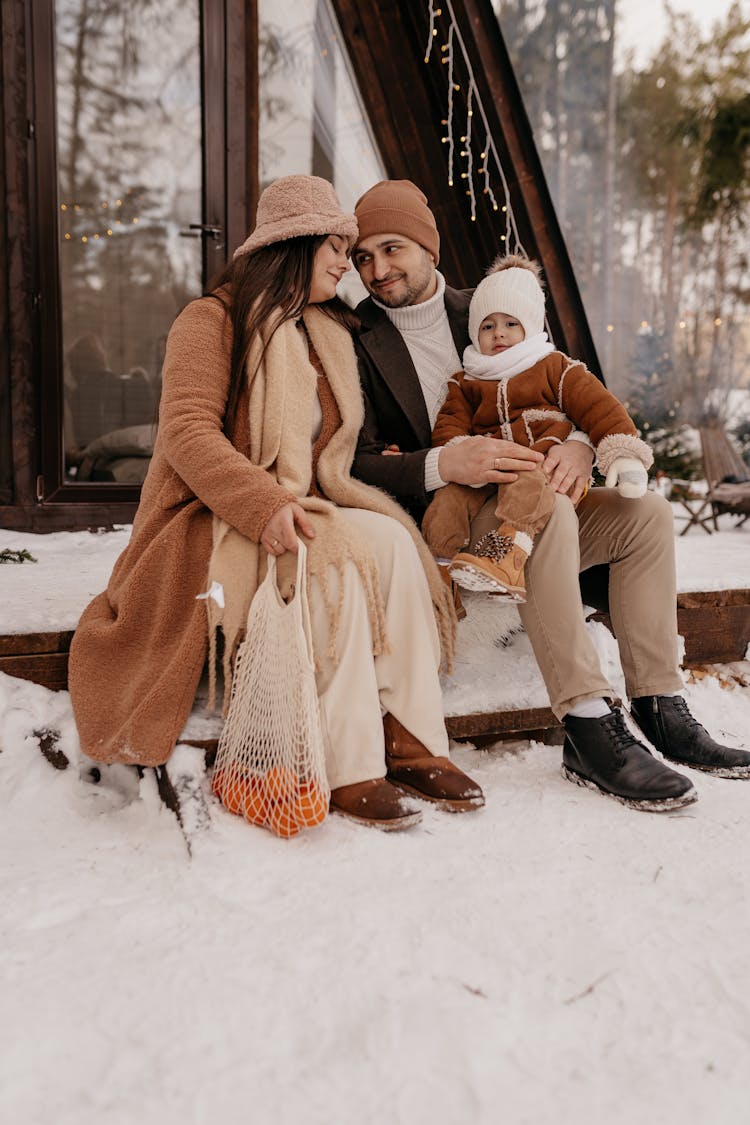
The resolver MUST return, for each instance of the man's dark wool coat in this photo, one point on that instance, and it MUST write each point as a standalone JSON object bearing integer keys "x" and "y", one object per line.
{"x": 395, "y": 412}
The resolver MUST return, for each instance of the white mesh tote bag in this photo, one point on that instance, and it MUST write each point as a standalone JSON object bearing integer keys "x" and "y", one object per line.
{"x": 270, "y": 766}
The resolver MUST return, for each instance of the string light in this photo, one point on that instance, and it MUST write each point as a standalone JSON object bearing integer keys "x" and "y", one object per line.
{"x": 490, "y": 165}
{"x": 97, "y": 236}
{"x": 450, "y": 100}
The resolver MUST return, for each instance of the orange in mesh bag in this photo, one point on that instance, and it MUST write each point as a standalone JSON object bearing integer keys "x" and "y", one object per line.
{"x": 270, "y": 766}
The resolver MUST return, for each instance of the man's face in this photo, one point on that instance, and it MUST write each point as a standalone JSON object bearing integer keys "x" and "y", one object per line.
{"x": 396, "y": 270}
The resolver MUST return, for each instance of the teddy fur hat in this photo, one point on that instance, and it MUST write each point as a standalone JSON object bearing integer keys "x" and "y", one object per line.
{"x": 512, "y": 287}
{"x": 295, "y": 206}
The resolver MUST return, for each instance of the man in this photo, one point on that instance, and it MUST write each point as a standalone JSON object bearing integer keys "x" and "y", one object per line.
{"x": 413, "y": 332}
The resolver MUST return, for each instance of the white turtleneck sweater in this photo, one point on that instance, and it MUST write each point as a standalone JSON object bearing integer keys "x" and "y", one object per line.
{"x": 427, "y": 334}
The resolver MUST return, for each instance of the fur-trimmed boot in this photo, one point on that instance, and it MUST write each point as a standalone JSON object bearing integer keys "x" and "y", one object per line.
{"x": 496, "y": 564}
{"x": 411, "y": 766}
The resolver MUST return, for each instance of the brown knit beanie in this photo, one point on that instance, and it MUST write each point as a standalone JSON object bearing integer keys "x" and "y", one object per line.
{"x": 398, "y": 207}
{"x": 295, "y": 206}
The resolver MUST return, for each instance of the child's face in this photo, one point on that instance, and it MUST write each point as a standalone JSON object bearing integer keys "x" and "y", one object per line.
{"x": 498, "y": 332}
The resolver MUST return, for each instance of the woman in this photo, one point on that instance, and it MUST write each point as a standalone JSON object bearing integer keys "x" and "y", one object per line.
{"x": 259, "y": 418}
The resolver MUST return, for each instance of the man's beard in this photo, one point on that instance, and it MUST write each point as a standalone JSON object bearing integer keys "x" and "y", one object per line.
{"x": 408, "y": 296}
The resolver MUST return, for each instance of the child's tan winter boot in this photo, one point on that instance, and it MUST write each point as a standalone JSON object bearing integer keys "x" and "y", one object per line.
{"x": 495, "y": 565}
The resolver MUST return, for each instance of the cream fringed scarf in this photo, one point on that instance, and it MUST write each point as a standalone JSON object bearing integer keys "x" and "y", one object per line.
{"x": 281, "y": 406}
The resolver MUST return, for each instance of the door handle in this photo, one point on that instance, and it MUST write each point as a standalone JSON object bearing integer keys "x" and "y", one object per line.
{"x": 207, "y": 229}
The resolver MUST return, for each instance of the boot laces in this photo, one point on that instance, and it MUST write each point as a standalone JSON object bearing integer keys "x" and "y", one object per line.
{"x": 614, "y": 725}
{"x": 680, "y": 705}
{"x": 493, "y": 546}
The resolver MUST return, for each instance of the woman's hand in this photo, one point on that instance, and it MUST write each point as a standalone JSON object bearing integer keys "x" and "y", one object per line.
{"x": 568, "y": 467}
{"x": 280, "y": 533}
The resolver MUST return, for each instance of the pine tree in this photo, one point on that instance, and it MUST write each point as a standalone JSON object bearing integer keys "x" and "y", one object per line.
{"x": 656, "y": 410}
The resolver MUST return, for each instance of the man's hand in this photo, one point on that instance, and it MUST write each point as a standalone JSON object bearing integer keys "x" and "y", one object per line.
{"x": 486, "y": 460}
{"x": 568, "y": 467}
{"x": 280, "y": 533}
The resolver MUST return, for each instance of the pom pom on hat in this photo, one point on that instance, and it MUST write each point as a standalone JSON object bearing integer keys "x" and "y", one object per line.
{"x": 295, "y": 206}
{"x": 512, "y": 287}
{"x": 398, "y": 207}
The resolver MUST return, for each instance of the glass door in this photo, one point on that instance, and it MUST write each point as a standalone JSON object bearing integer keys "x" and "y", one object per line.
{"x": 138, "y": 223}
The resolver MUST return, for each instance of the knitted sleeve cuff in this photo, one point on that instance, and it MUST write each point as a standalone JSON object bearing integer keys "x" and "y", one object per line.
{"x": 432, "y": 478}
{"x": 579, "y": 435}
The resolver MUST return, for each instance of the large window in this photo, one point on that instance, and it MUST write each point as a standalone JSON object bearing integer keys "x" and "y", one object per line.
{"x": 128, "y": 98}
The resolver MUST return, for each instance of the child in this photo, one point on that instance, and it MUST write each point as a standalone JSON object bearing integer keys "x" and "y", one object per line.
{"x": 516, "y": 386}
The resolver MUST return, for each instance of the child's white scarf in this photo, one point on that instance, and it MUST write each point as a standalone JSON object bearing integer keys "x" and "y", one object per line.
{"x": 505, "y": 364}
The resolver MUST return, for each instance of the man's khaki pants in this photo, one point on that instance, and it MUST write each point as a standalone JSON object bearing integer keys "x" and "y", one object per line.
{"x": 356, "y": 690}
{"x": 636, "y": 538}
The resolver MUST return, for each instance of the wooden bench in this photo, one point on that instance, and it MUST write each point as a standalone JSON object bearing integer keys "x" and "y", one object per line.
{"x": 714, "y": 624}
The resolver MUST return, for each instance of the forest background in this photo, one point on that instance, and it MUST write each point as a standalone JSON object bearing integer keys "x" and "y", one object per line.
{"x": 647, "y": 157}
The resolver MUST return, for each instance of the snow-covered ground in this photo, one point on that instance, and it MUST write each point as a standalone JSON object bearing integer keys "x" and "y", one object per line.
{"x": 553, "y": 958}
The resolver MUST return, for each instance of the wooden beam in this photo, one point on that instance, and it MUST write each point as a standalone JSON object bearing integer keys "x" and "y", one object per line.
{"x": 386, "y": 45}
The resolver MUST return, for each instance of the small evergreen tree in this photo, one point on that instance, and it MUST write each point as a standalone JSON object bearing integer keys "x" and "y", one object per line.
{"x": 656, "y": 409}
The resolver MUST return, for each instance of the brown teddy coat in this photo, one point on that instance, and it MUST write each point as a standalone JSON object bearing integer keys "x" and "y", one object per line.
{"x": 539, "y": 408}
{"x": 141, "y": 645}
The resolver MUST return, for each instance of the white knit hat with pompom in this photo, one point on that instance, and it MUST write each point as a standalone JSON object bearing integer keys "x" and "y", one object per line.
{"x": 512, "y": 287}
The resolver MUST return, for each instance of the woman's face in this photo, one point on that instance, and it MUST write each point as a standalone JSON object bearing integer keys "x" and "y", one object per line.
{"x": 329, "y": 266}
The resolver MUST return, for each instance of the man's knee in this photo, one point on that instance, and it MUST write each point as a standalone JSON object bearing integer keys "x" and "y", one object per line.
{"x": 657, "y": 512}
{"x": 563, "y": 521}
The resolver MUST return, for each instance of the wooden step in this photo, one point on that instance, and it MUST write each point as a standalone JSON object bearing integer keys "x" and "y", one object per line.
{"x": 715, "y": 625}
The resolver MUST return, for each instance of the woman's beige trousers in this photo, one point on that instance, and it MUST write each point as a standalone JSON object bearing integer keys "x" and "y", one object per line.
{"x": 356, "y": 691}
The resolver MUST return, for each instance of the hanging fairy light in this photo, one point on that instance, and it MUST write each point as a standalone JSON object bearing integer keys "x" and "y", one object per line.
{"x": 453, "y": 50}
{"x": 451, "y": 145}
{"x": 80, "y": 210}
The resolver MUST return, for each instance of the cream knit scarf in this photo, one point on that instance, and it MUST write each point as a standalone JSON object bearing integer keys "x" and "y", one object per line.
{"x": 282, "y": 395}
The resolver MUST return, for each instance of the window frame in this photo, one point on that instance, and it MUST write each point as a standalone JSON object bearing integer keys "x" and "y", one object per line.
{"x": 41, "y": 497}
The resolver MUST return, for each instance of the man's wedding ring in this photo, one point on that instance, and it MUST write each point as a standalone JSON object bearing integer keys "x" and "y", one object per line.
{"x": 496, "y": 463}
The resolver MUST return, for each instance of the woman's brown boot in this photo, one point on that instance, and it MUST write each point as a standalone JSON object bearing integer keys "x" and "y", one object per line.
{"x": 411, "y": 766}
{"x": 375, "y": 803}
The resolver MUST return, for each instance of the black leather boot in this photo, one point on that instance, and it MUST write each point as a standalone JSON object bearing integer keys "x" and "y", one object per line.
{"x": 602, "y": 754}
{"x": 667, "y": 723}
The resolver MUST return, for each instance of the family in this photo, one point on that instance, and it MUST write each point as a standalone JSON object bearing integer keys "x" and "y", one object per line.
{"x": 285, "y": 414}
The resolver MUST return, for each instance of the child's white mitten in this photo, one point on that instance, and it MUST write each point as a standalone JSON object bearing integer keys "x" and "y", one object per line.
{"x": 629, "y": 475}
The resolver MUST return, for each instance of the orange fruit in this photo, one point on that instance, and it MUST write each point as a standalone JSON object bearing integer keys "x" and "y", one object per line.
{"x": 282, "y": 821}
{"x": 310, "y": 806}
{"x": 256, "y": 804}
{"x": 242, "y": 796}
{"x": 281, "y": 783}
{"x": 230, "y": 792}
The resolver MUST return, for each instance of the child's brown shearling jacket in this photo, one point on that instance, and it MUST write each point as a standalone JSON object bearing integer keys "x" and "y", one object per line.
{"x": 539, "y": 408}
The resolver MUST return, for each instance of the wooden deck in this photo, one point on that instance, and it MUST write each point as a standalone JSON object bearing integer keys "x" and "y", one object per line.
{"x": 714, "y": 624}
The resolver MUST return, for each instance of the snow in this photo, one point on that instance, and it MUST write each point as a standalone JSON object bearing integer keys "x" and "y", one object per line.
{"x": 555, "y": 957}
{"x": 73, "y": 566}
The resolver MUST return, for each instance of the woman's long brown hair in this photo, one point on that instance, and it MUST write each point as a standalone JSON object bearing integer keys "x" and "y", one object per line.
{"x": 272, "y": 282}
